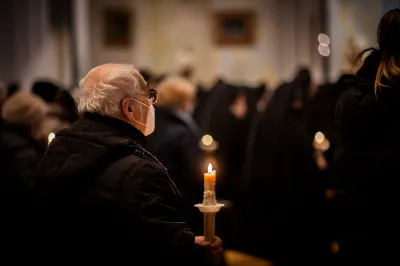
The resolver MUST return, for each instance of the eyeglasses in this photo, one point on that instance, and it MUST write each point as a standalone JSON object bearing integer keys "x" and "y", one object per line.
{"x": 152, "y": 95}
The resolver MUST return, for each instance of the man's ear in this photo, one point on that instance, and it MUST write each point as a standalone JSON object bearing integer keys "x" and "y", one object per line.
{"x": 127, "y": 109}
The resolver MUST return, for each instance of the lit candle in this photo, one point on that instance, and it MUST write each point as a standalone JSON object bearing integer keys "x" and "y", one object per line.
{"x": 209, "y": 187}
{"x": 209, "y": 206}
{"x": 51, "y": 137}
{"x": 209, "y": 179}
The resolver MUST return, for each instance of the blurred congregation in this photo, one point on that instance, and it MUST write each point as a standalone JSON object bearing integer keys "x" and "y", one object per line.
{"x": 306, "y": 162}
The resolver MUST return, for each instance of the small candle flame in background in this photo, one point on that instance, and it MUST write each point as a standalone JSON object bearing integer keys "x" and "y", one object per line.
{"x": 210, "y": 168}
{"x": 321, "y": 144}
{"x": 207, "y": 140}
{"x": 319, "y": 137}
{"x": 51, "y": 137}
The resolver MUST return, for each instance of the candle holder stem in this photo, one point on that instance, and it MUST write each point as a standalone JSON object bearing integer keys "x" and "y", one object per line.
{"x": 209, "y": 226}
{"x": 209, "y": 212}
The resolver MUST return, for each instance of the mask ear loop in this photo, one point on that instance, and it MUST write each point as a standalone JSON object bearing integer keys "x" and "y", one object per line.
{"x": 148, "y": 106}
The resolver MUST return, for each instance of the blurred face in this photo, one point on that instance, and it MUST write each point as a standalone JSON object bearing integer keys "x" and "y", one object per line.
{"x": 239, "y": 106}
{"x": 190, "y": 105}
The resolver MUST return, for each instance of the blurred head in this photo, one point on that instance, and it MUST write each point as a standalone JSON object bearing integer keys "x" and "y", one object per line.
{"x": 46, "y": 90}
{"x": 389, "y": 48}
{"x": 303, "y": 85}
{"x": 118, "y": 91}
{"x": 176, "y": 93}
{"x": 25, "y": 109}
{"x": 303, "y": 79}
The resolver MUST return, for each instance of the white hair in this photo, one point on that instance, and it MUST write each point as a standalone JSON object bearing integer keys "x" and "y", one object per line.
{"x": 105, "y": 86}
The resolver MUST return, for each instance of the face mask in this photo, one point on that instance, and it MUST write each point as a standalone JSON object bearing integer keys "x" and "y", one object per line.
{"x": 150, "y": 122}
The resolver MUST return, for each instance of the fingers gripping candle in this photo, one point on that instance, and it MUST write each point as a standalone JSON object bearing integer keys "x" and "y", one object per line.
{"x": 209, "y": 206}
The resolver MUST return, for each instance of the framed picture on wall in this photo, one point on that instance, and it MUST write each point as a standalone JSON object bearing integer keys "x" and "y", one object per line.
{"x": 117, "y": 27}
{"x": 234, "y": 28}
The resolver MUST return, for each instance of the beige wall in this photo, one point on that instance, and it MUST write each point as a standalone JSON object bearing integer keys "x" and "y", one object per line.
{"x": 32, "y": 49}
{"x": 165, "y": 28}
{"x": 356, "y": 19}
{"x": 286, "y": 38}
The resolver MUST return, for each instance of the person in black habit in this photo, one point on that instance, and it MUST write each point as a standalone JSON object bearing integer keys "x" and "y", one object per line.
{"x": 227, "y": 112}
{"x": 202, "y": 96}
{"x": 322, "y": 119}
{"x": 283, "y": 191}
{"x": 322, "y": 112}
{"x": 259, "y": 188}
{"x": 230, "y": 108}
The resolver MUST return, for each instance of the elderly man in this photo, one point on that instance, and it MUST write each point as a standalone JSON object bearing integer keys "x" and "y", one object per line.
{"x": 105, "y": 195}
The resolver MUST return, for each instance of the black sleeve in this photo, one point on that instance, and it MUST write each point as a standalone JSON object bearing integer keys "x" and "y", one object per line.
{"x": 152, "y": 202}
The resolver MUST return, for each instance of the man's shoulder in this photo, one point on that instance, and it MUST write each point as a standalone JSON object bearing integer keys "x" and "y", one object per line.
{"x": 134, "y": 162}
{"x": 137, "y": 169}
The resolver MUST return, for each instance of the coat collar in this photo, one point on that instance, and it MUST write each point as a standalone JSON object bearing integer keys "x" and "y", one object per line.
{"x": 110, "y": 126}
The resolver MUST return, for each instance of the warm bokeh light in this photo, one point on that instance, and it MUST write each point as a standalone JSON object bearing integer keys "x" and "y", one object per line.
{"x": 324, "y": 50}
{"x": 335, "y": 247}
{"x": 207, "y": 140}
{"x": 319, "y": 137}
{"x": 330, "y": 193}
{"x": 51, "y": 137}
{"x": 210, "y": 168}
{"x": 324, "y": 39}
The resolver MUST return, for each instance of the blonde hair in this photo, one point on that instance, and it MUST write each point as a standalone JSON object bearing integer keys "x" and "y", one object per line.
{"x": 175, "y": 92}
{"x": 389, "y": 47}
{"x": 105, "y": 86}
{"x": 25, "y": 109}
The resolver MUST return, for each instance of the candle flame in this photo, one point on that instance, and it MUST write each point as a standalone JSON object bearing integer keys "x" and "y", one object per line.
{"x": 319, "y": 137}
{"x": 51, "y": 137}
{"x": 210, "y": 168}
{"x": 207, "y": 140}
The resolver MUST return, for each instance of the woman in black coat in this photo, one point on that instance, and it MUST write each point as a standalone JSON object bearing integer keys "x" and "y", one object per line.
{"x": 366, "y": 165}
{"x": 175, "y": 142}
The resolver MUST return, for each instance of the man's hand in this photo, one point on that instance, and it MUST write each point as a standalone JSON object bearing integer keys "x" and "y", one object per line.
{"x": 214, "y": 248}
